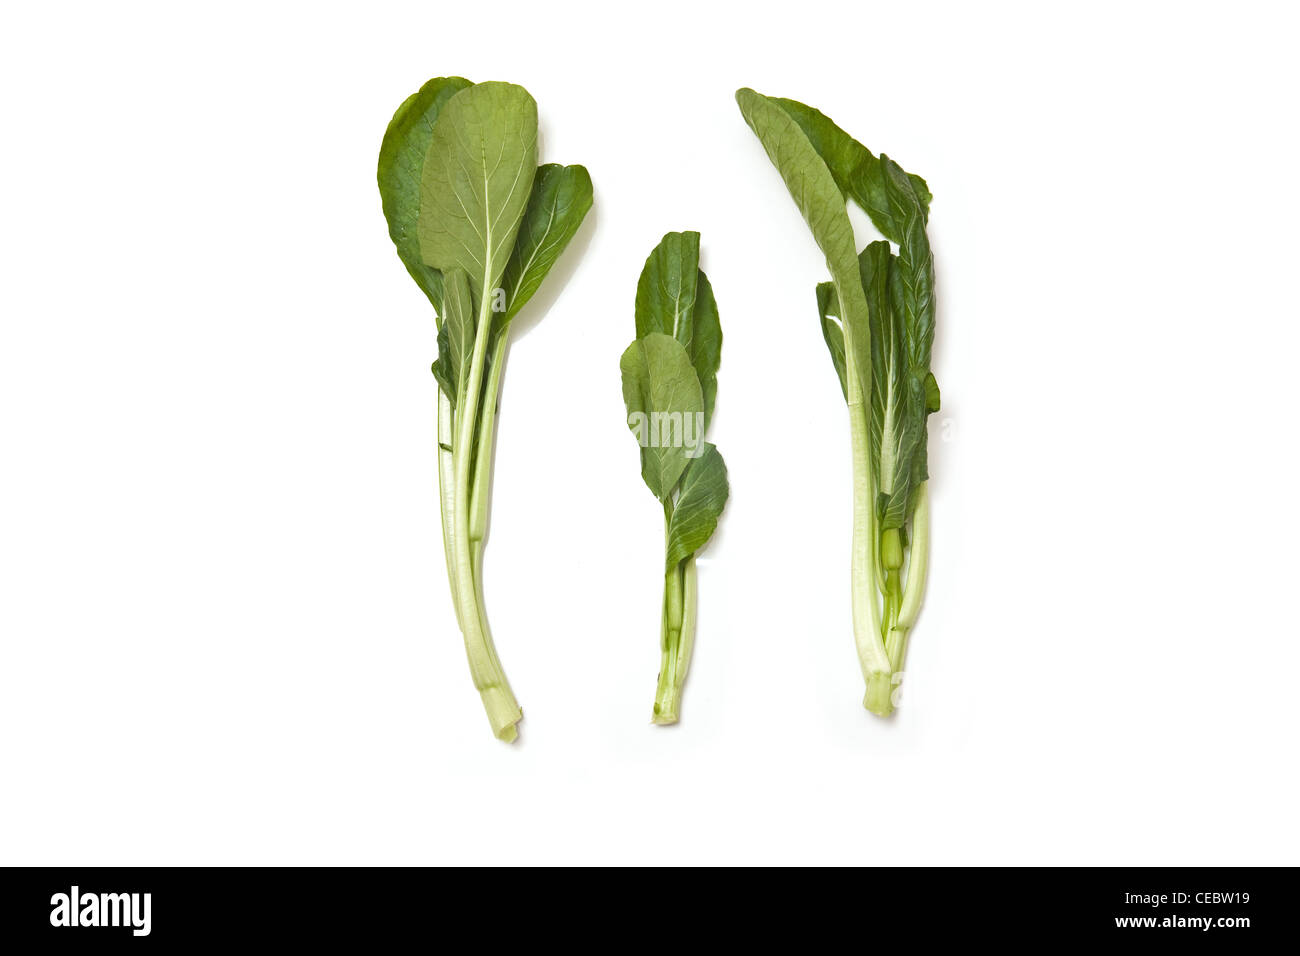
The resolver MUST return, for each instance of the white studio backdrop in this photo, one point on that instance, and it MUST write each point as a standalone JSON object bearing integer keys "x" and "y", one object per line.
{"x": 226, "y": 631}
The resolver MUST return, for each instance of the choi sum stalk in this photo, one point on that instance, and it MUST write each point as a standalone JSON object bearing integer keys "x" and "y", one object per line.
{"x": 877, "y": 316}
{"x": 670, "y": 382}
{"x": 478, "y": 225}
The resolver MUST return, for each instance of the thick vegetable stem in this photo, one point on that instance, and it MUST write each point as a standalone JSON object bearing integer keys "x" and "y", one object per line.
{"x": 677, "y": 637}
{"x": 498, "y": 700}
{"x": 866, "y": 611}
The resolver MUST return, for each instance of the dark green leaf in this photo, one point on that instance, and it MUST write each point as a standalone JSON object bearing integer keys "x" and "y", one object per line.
{"x": 674, "y": 297}
{"x": 896, "y": 422}
{"x": 401, "y": 163}
{"x": 560, "y": 199}
{"x": 695, "y": 516}
{"x": 931, "y": 393}
{"x": 828, "y": 307}
{"x": 916, "y": 266}
{"x": 912, "y": 292}
{"x": 458, "y": 320}
{"x": 665, "y": 293}
{"x": 857, "y": 172}
{"x": 705, "y": 345}
{"x": 920, "y": 457}
{"x": 665, "y": 407}
{"x": 442, "y": 367}
{"x": 920, "y": 471}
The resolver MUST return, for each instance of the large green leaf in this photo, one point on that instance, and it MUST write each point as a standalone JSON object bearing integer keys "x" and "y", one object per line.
{"x": 561, "y": 198}
{"x": 703, "y": 496}
{"x": 859, "y": 174}
{"x": 478, "y": 174}
{"x": 814, "y": 191}
{"x": 401, "y": 163}
{"x": 663, "y": 398}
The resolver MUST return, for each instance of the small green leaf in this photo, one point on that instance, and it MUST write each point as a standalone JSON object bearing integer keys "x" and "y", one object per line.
{"x": 828, "y": 308}
{"x": 665, "y": 407}
{"x": 442, "y": 367}
{"x": 695, "y": 516}
{"x": 931, "y": 393}
{"x": 705, "y": 345}
{"x": 478, "y": 174}
{"x": 665, "y": 293}
{"x": 560, "y": 200}
{"x": 401, "y": 164}
{"x": 920, "y": 457}
{"x": 920, "y": 470}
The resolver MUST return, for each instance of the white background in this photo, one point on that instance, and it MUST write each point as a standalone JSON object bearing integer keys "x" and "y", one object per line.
{"x": 227, "y": 636}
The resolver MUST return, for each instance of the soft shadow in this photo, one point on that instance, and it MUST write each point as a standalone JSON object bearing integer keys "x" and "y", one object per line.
{"x": 556, "y": 280}
{"x": 934, "y": 436}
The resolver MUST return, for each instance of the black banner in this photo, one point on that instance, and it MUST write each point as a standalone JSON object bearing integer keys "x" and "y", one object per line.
{"x": 134, "y": 908}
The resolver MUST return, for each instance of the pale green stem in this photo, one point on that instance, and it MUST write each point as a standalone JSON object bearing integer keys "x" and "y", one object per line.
{"x": 675, "y": 643}
{"x": 690, "y": 599}
{"x": 918, "y": 562}
{"x": 866, "y": 613}
{"x": 498, "y": 700}
{"x": 482, "y": 482}
{"x": 681, "y": 590}
{"x": 476, "y": 549}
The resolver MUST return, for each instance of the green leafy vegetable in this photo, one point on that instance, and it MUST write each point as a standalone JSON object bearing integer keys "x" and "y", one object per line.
{"x": 478, "y": 225}
{"x": 877, "y": 317}
{"x": 669, "y": 384}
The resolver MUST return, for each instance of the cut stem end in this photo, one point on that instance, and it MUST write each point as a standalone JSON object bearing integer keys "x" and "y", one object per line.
{"x": 879, "y": 691}
{"x": 668, "y": 696}
{"x": 502, "y": 711}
